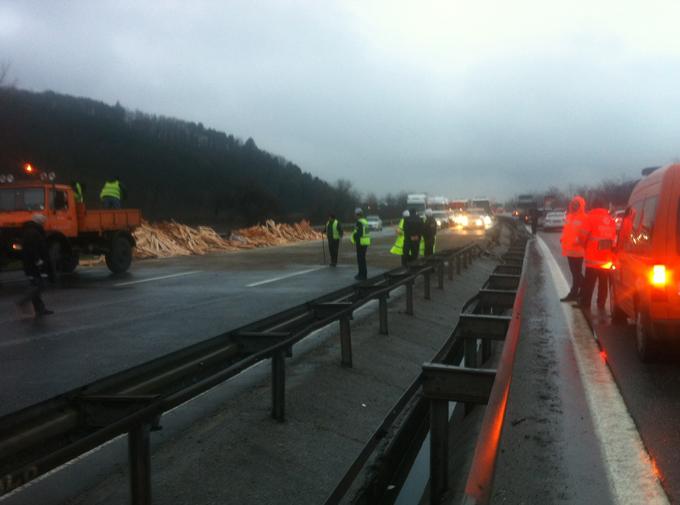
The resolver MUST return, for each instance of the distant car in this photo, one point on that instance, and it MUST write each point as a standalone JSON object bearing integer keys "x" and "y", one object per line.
{"x": 442, "y": 218}
{"x": 374, "y": 223}
{"x": 554, "y": 220}
{"x": 476, "y": 219}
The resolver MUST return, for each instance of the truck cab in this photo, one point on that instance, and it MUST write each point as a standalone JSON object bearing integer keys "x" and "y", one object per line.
{"x": 71, "y": 228}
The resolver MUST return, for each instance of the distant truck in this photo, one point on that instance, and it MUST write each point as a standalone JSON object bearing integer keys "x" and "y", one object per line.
{"x": 71, "y": 228}
{"x": 440, "y": 210}
{"x": 417, "y": 201}
{"x": 524, "y": 204}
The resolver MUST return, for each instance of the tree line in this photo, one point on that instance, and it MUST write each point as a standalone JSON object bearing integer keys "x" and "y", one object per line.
{"x": 173, "y": 169}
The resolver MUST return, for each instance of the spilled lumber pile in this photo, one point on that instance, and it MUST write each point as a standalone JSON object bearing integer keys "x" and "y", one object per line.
{"x": 170, "y": 238}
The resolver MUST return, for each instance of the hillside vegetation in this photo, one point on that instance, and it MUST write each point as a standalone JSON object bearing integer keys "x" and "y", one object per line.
{"x": 171, "y": 168}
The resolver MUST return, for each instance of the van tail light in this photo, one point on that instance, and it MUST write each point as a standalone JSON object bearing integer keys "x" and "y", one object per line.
{"x": 659, "y": 276}
{"x": 659, "y": 279}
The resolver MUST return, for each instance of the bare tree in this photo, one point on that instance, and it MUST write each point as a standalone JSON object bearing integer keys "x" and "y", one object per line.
{"x": 4, "y": 75}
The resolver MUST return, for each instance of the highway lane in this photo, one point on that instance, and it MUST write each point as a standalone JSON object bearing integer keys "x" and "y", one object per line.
{"x": 104, "y": 323}
{"x": 651, "y": 391}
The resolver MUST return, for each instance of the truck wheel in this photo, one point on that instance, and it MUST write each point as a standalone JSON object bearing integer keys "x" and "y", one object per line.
{"x": 644, "y": 334}
{"x": 119, "y": 258}
{"x": 70, "y": 262}
{"x": 54, "y": 251}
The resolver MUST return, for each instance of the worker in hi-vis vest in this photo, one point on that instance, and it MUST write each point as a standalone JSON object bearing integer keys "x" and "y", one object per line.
{"x": 398, "y": 247}
{"x": 334, "y": 234}
{"x": 112, "y": 193}
{"x": 361, "y": 240}
{"x": 78, "y": 193}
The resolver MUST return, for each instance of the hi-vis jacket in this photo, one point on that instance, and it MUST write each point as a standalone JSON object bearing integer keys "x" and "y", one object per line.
{"x": 398, "y": 247}
{"x": 573, "y": 224}
{"x": 599, "y": 235}
{"x": 361, "y": 233}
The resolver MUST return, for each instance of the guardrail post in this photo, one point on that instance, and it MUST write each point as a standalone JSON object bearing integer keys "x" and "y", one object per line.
{"x": 486, "y": 350}
{"x": 458, "y": 262}
{"x": 426, "y": 285}
{"x": 440, "y": 275}
{"x": 345, "y": 342}
{"x": 279, "y": 385}
{"x": 382, "y": 311}
{"x": 470, "y": 349}
{"x": 450, "y": 263}
{"x": 409, "y": 298}
{"x": 439, "y": 450}
{"x": 139, "y": 454}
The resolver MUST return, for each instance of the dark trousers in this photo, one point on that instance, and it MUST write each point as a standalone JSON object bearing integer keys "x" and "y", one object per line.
{"x": 411, "y": 250}
{"x": 594, "y": 275}
{"x": 33, "y": 295}
{"x": 361, "y": 261}
{"x": 110, "y": 202}
{"x": 429, "y": 246}
{"x": 576, "y": 269}
{"x": 333, "y": 247}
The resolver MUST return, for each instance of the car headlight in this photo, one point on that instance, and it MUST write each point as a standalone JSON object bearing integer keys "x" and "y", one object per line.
{"x": 479, "y": 222}
{"x": 487, "y": 220}
{"x": 464, "y": 220}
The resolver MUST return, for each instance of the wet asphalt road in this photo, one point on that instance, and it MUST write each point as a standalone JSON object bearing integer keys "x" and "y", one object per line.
{"x": 104, "y": 324}
{"x": 651, "y": 391}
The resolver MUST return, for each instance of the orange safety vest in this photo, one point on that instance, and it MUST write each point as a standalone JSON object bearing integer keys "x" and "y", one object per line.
{"x": 573, "y": 225}
{"x": 599, "y": 235}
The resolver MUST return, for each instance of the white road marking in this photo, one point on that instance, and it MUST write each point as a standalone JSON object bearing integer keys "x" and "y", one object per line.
{"x": 260, "y": 283}
{"x": 181, "y": 274}
{"x": 629, "y": 467}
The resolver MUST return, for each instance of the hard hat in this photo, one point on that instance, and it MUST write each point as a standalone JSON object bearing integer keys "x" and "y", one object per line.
{"x": 39, "y": 219}
{"x": 406, "y": 213}
{"x": 428, "y": 212}
{"x": 358, "y": 211}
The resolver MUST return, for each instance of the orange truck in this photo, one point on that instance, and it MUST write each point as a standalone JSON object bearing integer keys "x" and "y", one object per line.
{"x": 71, "y": 228}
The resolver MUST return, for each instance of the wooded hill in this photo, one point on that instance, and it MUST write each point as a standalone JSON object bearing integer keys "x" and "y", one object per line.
{"x": 172, "y": 169}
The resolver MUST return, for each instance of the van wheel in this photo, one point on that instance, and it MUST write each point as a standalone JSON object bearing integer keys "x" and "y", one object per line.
{"x": 119, "y": 258}
{"x": 644, "y": 337}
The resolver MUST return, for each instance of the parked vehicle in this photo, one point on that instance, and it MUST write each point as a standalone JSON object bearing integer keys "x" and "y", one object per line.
{"x": 554, "y": 220}
{"x": 417, "y": 201}
{"x": 374, "y": 223}
{"x": 646, "y": 275}
{"x": 71, "y": 228}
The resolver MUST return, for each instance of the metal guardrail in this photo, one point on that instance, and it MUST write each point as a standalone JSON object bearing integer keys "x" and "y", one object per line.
{"x": 40, "y": 438}
{"x": 492, "y": 314}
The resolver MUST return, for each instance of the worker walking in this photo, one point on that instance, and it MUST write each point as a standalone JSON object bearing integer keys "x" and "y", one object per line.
{"x": 413, "y": 231}
{"x": 572, "y": 248}
{"x": 598, "y": 237}
{"x": 398, "y": 247}
{"x": 112, "y": 193}
{"x": 334, "y": 234}
{"x": 35, "y": 259}
{"x": 361, "y": 239}
{"x": 429, "y": 233}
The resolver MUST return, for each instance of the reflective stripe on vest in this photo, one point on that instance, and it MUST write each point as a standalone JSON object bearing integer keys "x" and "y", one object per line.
{"x": 398, "y": 247}
{"x": 111, "y": 190}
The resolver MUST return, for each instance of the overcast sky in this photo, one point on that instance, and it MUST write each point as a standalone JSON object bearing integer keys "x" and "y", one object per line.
{"x": 459, "y": 98}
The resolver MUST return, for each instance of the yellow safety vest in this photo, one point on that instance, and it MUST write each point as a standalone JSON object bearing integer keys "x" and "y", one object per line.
{"x": 78, "y": 192}
{"x": 365, "y": 238}
{"x": 111, "y": 190}
{"x": 334, "y": 229}
{"x": 398, "y": 247}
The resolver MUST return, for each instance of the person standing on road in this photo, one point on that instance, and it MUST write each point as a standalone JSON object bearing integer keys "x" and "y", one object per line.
{"x": 334, "y": 234}
{"x": 361, "y": 239}
{"x": 429, "y": 233}
{"x": 78, "y": 192}
{"x": 572, "y": 247}
{"x": 533, "y": 216}
{"x": 35, "y": 259}
{"x": 398, "y": 247}
{"x": 413, "y": 231}
{"x": 598, "y": 236}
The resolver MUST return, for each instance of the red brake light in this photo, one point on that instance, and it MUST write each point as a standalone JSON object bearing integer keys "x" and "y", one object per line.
{"x": 658, "y": 276}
